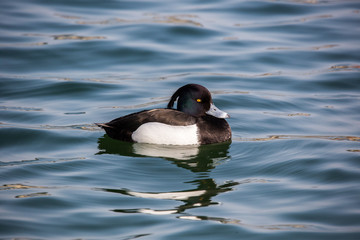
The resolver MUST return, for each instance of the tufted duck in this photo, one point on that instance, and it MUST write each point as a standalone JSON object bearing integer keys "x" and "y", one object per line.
{"x": 196, "y": 121}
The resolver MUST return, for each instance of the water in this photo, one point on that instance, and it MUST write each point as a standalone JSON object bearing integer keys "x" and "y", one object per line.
{"x": 286, "y": 71}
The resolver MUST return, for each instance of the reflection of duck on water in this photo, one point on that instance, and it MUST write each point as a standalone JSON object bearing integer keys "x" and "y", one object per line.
{"x": 200, "y": 197}
{"x": 196, "y": 158}
{"x": 193, "y": 157}
{"x": 110, "y": 146}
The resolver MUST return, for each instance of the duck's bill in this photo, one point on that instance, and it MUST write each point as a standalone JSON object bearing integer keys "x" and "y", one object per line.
{"x": 214, "y": 111}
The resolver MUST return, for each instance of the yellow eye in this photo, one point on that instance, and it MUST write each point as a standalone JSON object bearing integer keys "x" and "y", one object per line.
{"x": 198, "y": 100}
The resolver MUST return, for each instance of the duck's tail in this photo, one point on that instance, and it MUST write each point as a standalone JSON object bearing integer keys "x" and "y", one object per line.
{"x": 103, "y": 125}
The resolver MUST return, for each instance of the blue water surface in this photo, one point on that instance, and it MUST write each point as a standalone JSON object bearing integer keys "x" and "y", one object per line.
{"x": 287, "y": 71}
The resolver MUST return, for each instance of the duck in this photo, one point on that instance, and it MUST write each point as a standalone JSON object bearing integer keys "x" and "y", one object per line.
{"x": 195, "y": 121}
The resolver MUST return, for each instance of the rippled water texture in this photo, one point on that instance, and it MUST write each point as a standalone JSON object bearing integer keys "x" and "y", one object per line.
{"x": 287, "y": 71}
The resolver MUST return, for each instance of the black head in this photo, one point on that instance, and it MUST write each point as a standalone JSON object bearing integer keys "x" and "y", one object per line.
{"x": 193, "y": 99}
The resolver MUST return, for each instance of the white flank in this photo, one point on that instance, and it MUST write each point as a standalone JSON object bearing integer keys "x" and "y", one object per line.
{"x": 160, "y": 133}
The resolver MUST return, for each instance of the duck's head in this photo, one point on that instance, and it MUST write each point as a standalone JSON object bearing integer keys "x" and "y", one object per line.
{"x": 195, "y": 100}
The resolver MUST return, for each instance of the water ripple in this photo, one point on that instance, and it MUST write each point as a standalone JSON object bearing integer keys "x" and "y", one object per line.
{"x": 287, "y": 71}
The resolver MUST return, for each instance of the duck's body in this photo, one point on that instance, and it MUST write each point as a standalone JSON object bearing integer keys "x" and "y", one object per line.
{"x": 189, "y": 124}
